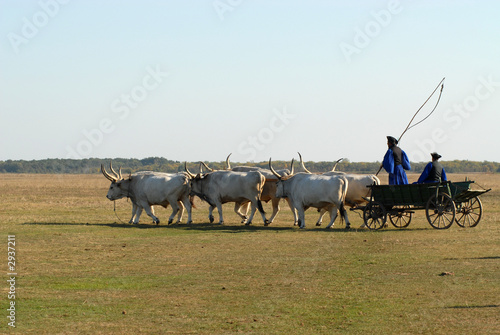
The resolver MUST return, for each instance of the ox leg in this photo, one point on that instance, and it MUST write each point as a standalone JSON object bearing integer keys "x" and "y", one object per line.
{"x": 256, "y": 203}
{"x": 343, "y": 213}
{"x": 238, "y": 206}
{"x": 181, "y": 211}
{"x": 210, "y": 214}
{"x": 333, "y": 216}
{"x": 294, "y": 212}
{"x": 151, "y": 212}
{"x": 138, "y": 213}
{"x": 347, "y": 223}
{"x": 253, "y": 208}
{"x": 275, "y": 202}
{"x": 321, "y": 214}
{"x": 175, "y": 210}
{"x": 134, "y": 210}
{"x": 219, "y": 209}
{"x": 187, "y": 205}
{"x": 301, "y": 215}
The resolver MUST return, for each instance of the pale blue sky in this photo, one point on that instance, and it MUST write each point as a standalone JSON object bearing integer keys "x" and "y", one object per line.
{"x": 196, "y": 80}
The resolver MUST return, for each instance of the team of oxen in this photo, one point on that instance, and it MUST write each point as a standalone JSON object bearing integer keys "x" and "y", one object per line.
{"x": 246, "y": 186}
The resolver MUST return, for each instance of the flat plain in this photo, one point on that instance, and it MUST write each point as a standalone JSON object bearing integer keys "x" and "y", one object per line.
{"x": 80, "y": 270}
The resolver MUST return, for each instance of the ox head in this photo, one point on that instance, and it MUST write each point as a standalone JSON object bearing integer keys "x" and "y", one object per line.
{"x": 195, "y": 179}
{"x": 196, "y": 183}
{"x": 280, "y": 184}
{"x": 119, "y": 187}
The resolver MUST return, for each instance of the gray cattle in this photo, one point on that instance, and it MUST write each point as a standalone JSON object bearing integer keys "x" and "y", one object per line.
{"x": 219, "y": 187}
{"x": 269, "y": 190}
{"x": 310, "y": 190}
{"x": 358, "y": 190}
{"x": 148, "y": 188}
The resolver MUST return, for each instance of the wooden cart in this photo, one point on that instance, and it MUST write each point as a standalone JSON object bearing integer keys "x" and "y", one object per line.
{"x": 444, "y": 203}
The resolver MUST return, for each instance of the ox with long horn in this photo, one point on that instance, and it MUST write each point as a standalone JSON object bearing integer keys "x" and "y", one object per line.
{"x": 148, "y": 188}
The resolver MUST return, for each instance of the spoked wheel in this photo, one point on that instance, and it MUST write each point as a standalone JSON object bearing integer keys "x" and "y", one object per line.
{"x": 440, "y": 211}
{"x": 469, "y": 213}
{"x": 401, "y": 219}
{"x": 374, "y": 215}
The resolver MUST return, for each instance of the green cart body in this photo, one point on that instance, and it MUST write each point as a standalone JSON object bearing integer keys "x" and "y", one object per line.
{"x": 444, "y": 203}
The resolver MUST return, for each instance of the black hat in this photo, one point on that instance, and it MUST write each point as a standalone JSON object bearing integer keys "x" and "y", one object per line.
{"x": 435, "y": 155}
{"x": 392, "y": 140}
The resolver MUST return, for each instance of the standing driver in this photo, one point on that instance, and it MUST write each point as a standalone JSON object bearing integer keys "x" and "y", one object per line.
{"x": 395, "y": 162}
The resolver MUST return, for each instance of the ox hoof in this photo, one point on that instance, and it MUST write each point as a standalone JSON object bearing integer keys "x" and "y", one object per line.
{"x": 189, "y": 222}
{"x": 211, "y": 219}
{"x": 318, "y": 224}
{"x": 347, "y": 227}
{"x": 248, "y": 223}
{"x": 169, "y": 222}
{"x": 267, "y": 223}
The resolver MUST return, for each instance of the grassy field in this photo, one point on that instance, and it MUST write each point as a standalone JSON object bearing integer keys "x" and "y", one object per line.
{"x": 81, "y": 271}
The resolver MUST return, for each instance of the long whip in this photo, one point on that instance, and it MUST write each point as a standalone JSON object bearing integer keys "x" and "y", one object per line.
{"x": 409, "y": 126}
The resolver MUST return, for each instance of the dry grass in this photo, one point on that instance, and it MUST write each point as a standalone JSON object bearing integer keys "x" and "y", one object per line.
{"x": 80, "y": 272}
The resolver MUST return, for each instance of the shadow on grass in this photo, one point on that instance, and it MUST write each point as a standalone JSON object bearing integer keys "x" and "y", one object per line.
{"x": 205, "y": 226}
{"x": 469, "y": 306}
{"x": 476, "y": 258}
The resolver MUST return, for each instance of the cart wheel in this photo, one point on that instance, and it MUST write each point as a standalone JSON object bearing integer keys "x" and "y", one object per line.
{"x": 401, "y": 219}
{"x": 469, "y": 213}
{"x": 374, "y": 215}
{"x": 440, "y": 211}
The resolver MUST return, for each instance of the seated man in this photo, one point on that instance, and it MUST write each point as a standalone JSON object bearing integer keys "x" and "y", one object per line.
{"x": 433, "y": 172}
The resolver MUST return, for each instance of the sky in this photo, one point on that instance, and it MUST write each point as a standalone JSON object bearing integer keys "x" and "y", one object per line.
{"x": 196, "y": 80}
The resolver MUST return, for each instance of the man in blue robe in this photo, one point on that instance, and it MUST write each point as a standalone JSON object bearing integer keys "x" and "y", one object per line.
{"x": 395, "y": 162}
{"x": 433, "y": 172}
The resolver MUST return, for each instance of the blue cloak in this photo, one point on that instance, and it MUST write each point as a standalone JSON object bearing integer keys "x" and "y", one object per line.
{"x": 425, "y": 174}
{"x": 397, "y": 175}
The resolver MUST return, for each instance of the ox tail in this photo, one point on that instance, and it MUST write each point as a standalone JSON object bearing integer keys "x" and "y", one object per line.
{"x": 342, "y": 202}
{"x": 259, "y": 206}
{"x": 342, "y": 211}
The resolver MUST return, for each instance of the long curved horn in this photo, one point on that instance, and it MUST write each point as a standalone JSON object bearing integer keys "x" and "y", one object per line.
{"x": 336, "y": 164}
{"x": 188, "y": 172}
{"x": 228, "y": 165}
{"x": 206, "y": 167}
{"x": 272, "y": 170}
{"x": 302, "y": 163}
{"x": 292, "y": 167}
{"x": 118, "y": 176}
{"x": 107, "y": 175}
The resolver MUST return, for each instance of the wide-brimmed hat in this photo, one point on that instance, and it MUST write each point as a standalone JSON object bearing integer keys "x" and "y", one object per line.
{"x": 435, "y": 155}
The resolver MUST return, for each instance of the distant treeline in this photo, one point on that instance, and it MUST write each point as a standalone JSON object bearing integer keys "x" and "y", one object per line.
{"x": 93, "y": 165}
